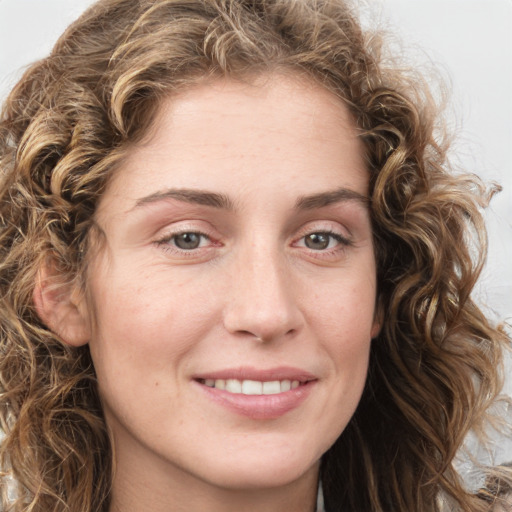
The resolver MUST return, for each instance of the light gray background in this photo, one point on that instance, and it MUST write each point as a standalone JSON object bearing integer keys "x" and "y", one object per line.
{"x": 471, "y": 40}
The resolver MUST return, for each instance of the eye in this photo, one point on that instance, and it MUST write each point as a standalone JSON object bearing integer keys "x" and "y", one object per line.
{"x": 323, "y": 240}
{"x": 318, "y": 241}
{"x": 188, "y": 241}
{"x": 185, "y": 241}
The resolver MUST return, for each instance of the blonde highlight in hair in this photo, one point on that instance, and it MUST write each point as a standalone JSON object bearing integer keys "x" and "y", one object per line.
{"x": 64, "y": 132}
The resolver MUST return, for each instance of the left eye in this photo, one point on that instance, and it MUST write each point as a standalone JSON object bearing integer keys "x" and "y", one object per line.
{"x": 189, "y": 240}
{"x": 323, "y": 240}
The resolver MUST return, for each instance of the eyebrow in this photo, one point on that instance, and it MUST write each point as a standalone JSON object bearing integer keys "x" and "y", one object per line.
{"x": 223, "y": 202}
{"x": 192, "y": 196}
{"x": 327, "y": 198}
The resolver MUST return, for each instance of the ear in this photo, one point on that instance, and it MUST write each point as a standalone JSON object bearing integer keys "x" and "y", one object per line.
{"x": 60, "y": 305}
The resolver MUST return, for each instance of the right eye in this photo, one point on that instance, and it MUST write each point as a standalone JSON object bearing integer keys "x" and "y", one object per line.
{"x": 185, "y": 241}
{"x": 188, "y": 240}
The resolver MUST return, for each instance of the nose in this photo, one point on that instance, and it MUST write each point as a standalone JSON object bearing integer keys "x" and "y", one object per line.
{"x": 262, "y": 303}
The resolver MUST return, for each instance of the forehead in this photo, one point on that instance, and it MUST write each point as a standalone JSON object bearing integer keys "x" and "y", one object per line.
{"x": 273, "y": 131}
{"x": 286, "y": 105}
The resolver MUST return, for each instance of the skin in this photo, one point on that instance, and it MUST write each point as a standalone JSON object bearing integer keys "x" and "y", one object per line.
{"x": 254, "y": 293}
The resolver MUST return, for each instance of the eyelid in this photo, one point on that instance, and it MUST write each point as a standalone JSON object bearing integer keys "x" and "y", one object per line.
{"x": 186, "y": 226}
{"x": 170, "y": 232}
{"x": 344, "y": 241}
{"x": 330, "y": 228}
{"x": 174, "y": 236}
{"x": 326, "y": 226}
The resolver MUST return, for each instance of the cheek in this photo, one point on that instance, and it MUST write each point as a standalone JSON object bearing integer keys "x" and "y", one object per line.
{"x": 343, "y": 325}
{"x": 346, "y": 307}
{"x": 147, "y": 322}
{"x": 343, "y": 318}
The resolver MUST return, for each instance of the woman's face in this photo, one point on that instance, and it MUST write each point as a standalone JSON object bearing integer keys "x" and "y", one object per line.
{"x": 234, "y": 296}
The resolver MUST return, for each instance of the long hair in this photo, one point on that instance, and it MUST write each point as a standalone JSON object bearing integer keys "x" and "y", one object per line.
{"x": 64, "y": 130}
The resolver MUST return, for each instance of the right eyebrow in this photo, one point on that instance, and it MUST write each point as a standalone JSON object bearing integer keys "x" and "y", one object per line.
{"x": 193, "y": 196}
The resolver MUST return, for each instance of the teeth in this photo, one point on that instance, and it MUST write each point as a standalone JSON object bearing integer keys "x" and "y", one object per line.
{"x": 252, "y": 387}
{"x": 272, "y": 387}
{"x": 233, "y": 386}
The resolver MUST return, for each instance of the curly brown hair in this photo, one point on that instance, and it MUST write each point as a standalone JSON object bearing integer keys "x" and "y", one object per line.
{"x": 64, "y": 130}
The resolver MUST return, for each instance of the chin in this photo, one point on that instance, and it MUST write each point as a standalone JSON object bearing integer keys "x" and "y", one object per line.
{"x": 261, "y": 470}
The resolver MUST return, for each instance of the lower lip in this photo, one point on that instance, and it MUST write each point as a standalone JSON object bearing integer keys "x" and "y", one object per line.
{"x": 260, "y": 407}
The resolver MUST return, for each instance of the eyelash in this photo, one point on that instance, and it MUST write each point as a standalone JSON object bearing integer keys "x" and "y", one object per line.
{"x": 342, "y": 241}
{"x": 168, "y": 243}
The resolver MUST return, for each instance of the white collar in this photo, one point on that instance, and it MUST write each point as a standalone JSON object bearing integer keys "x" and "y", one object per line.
{"x": 320, "y": 498}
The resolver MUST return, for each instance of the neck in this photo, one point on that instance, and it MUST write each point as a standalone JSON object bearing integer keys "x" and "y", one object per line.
{"x": 193, "y": 501}
{"x": 165, "y": 488}
{"x": 140, "y": 496}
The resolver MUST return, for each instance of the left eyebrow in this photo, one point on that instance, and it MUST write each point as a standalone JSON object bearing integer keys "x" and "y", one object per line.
{"x": 327, "y": 198}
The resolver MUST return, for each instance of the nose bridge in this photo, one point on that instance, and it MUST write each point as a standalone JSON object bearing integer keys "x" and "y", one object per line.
{"x": 262, "y": 302}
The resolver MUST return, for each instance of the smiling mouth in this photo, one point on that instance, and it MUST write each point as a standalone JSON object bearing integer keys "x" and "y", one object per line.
{"x": 252, "y": 387}
{"x": 258, "y": 394}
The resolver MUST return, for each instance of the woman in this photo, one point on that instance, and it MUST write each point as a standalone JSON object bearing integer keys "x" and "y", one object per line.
{"x": 235, "y": 266}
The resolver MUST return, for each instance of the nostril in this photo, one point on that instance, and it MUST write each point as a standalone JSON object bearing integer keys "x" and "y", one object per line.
{"x": 263, "y": 337}
{"x": 259, "y": 318}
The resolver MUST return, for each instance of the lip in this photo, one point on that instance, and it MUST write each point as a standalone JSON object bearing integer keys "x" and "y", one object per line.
{"x": 259, "y": 407}
{"x": 250, "y": 373}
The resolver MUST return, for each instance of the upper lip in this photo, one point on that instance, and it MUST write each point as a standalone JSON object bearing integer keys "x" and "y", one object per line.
{"x": 263, "y": 375}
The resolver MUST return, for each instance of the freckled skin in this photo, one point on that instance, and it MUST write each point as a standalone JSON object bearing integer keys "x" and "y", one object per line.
{"x": 251, "y": 294}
